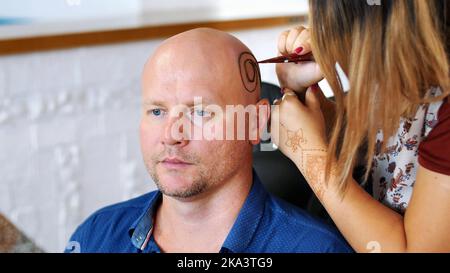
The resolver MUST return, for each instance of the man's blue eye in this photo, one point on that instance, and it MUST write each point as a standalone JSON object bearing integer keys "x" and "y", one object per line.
{"x": 156, "y": 112}
{"x": 202, "y": 113}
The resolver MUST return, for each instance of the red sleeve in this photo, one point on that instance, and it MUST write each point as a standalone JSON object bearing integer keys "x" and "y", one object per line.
{"x": 434, "y": 151}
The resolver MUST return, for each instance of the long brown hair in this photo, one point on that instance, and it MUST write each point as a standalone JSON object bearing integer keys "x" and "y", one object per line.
{"x": 393, "y": 53}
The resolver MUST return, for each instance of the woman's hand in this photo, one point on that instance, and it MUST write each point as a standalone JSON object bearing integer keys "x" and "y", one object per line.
{"x": 297, "y": 77}
{"x": 299, "y": 131}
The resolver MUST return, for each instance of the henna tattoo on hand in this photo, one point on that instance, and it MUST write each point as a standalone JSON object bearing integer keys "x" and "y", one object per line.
{"x": 311, "y": 162}
{"x": 295, "y": 139}
{"x": 249, "y": 70}
{"x": 314, "y": 167}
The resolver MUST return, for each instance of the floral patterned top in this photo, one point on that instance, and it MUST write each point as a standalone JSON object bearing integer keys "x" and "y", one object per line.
{"x": 393, "y": 173}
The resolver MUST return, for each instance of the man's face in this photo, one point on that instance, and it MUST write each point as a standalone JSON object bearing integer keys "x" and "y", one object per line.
{"x": 181, "y": 163}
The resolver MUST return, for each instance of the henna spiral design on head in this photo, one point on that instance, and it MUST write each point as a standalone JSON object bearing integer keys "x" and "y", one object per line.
{"x": 249, "y": 70}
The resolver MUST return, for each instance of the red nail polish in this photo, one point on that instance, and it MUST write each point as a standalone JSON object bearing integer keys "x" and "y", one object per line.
{"x": 283, "y": 90}
{"x": 298, "y": 50}
{"x": 315, "y": 87}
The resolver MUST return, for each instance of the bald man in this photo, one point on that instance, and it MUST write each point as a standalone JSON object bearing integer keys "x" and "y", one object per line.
{"x": 209, "y": 199}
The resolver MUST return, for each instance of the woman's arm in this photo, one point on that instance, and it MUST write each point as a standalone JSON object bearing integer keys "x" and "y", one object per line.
{"x": 427, "y": 219}
{"x": 368, "y": 225}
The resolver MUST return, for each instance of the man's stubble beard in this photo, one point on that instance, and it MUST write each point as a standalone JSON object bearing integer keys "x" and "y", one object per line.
{"x": 205, "y": 176}
{"x": 198, "y": 185}
{"x": 201, "y": 179}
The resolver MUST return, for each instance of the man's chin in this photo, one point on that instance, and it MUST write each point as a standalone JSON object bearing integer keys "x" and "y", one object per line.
{"x": 179, "y": 191}
{"x": 179, "y": 186}
{"x": 170, "y": 181}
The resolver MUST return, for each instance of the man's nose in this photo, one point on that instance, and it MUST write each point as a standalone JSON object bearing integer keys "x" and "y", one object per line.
{"x": 175, "y": 131}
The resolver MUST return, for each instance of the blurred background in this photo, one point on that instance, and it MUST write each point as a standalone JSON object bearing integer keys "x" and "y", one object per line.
{"x": 69, "y": 100}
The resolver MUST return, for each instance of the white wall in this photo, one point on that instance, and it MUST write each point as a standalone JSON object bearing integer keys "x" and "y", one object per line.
{"x": 51, "y": 17}
{"x": 227, "y": 9}
{"x": 68, "y": 132}
{"x": 66, "y": 10}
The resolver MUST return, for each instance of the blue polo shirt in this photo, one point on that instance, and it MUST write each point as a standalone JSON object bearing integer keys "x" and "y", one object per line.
{"x": 265, "y": 224}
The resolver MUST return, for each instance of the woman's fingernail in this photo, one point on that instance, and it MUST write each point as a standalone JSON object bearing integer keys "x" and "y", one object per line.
{"x": 298, "y": 50}
{"x": 315, "y": 87}
{"x": 283, "y": 90}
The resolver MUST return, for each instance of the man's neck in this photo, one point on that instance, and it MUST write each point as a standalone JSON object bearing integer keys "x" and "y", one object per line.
{"x": 201, "y": 224}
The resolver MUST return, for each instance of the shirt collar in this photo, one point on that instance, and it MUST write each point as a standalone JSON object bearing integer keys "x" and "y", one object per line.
{"x": 240, "y": 236}
{"x": 141, "y": 229}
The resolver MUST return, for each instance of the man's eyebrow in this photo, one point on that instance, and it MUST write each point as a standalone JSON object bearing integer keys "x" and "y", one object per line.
{"x": 204, "y": 101}
{"x": 153, "y": 102}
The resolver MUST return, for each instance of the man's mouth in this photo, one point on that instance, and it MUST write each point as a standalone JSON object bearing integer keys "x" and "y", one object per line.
{"x": 174, "y": 162}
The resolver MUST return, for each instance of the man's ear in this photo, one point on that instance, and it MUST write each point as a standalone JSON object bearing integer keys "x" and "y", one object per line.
{"x": 263, "y": 115}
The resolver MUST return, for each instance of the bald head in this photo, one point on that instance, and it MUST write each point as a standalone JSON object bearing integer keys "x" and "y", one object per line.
{"x": 206, "y": 59}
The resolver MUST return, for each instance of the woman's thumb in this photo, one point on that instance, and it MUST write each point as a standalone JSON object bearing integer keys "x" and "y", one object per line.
{"x": 312, "y": 99}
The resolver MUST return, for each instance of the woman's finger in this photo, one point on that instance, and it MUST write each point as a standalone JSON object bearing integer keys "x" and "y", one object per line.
{"x": 293, "y": 34}
{"x": 290, "y": 104}
{"x": 312, "y": 99}
{"x": 288, "y": 92}
{"x": 282, "y": 42}
{"x": 292, "y": 37}
{"x": 303, "y": 41}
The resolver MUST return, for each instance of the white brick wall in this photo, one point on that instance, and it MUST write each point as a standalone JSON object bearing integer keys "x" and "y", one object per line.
{"x": 69, "y": 132}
